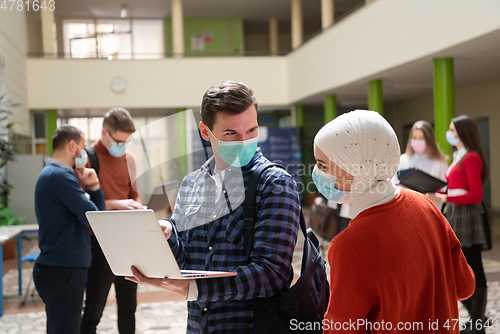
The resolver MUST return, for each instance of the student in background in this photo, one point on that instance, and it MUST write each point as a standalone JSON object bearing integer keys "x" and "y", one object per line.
{"x": 422, "y": 152}
{"x": 398, "y": 259}
{"x": 60, "y": 271}
{"x": 466, "y": 177}
{"x": 114, "y": 163}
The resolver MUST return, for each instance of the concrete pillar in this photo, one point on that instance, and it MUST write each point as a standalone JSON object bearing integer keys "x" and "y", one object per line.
{"x": 330, "y": 107}
{"x": 444, "y": 100}
{"x": 297, "y": 29}
{"x": 177, "y": 29}
{"x": 375, "y": 97}
{"x": 273, "y": 36}
{"x": 49, "y": 41}
{"x": 327, "y": 13}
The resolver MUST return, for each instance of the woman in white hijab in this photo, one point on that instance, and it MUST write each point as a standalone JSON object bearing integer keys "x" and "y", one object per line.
{"x": 398, "y": 263}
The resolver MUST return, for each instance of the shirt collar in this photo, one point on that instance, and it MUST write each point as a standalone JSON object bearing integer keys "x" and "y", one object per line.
{"x": 59, "y": 163}
{"x": 459, "y": 154}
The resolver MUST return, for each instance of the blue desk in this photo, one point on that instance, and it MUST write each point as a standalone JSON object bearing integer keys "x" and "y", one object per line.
{"x": 8, "y": 233}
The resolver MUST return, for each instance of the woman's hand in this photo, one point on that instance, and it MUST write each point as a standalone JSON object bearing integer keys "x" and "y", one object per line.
{"x": 438, "y": 197}
{"x": 444, "y": 198}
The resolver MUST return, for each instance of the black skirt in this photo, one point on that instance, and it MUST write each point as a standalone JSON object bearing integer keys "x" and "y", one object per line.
{"x": 467, "y": 223}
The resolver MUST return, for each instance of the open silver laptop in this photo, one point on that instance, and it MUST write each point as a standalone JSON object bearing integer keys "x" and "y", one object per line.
{"x": 134, "y": 238}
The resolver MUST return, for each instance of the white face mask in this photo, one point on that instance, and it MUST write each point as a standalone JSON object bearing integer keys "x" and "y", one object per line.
{"x": 82, "y": 160}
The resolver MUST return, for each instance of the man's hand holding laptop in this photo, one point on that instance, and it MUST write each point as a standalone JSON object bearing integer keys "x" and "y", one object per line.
{"x": 177, "y": 286}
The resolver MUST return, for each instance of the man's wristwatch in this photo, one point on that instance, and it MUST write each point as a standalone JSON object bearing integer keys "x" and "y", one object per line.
{"x": 96, "y": 183}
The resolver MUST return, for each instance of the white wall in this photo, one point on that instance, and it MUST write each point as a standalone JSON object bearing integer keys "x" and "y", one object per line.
{"x": 477, "y": 101}
{"x": 23, "y": 173}
{"x": 13, "y": 49}
{"x": 385, "y": 34}
{"x": 165, "y": 83}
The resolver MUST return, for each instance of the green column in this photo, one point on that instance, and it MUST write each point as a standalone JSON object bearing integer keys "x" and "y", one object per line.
{"x": 51, "y": 119}
{"x": 182, "y": 140}
{"x": 299, "y": 115}
{"x": 330, "y": 107}
{"x": 375, "y": 97}
{"x": 444, "y": 100}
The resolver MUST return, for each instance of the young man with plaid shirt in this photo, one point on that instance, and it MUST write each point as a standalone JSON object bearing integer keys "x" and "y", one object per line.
{"x": 206, "y": 231}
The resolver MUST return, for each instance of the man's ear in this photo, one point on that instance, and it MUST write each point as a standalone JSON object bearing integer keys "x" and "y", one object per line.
{"x": 204, "y": 131}
{"x": 71, "y": 145}
{"x": 103, "y": 131}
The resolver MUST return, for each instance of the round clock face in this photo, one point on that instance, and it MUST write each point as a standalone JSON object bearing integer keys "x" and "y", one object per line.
{"x": 118, "y": 84}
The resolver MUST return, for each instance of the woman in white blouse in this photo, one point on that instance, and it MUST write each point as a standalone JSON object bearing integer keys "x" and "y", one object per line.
{"x": 422, "y": 152}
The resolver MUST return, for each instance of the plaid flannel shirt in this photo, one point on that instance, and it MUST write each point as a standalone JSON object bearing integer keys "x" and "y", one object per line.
{"x": 225, "y": 305}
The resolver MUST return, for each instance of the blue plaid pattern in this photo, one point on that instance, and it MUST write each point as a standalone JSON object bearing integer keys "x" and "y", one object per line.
{"x": 225, "y": 305}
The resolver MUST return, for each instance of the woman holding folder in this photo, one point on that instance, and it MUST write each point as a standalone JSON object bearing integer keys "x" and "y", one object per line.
{"x": 466, "y": 177}
{"x": 422, "y": 152}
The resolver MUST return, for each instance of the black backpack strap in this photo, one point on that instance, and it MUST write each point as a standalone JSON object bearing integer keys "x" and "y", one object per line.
{"x": 94, "y": 160}
{"x": 249, "y": 205}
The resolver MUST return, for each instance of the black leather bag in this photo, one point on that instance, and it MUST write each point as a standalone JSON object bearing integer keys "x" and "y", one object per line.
{"x": 324, "y": 220}
{"x": 305, "y": 303}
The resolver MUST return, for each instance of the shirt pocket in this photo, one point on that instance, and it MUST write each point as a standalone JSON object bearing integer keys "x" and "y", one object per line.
{"x": 192, "y": 216}
{"x": 235, "y": 227}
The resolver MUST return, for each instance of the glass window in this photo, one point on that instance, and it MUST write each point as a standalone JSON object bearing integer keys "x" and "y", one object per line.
{"x": 148, "y": 41}
{"x": 78, "y": 29}
{"x": 39, "y": 125}
{"x": 95, "y": 129}
{"x": 82, "y": 124}
{"x": 84, "y": 47}
{"x": 120, "y": 39}
{"x": 114, "y": 38}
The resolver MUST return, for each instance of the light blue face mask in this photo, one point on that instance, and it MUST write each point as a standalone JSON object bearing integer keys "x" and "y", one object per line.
{"x": 237, "y": 153}
{"x": 82, "y": 160}
{"x": 116, "y": 150}
{"x": 326, "y": 185}
{"x": 452, "y": 140}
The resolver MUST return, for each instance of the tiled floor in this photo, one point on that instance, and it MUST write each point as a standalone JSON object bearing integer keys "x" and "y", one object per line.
{"x": 160, "y": 312}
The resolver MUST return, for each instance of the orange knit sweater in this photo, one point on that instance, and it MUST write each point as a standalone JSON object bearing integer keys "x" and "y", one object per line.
{"x": 398, "y": 265}
{"x": 114, "y": 174}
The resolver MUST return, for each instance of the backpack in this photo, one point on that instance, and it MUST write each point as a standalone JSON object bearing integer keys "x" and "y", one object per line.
{"x": 324, "y": 220}
{"x": 305, "y": 303}
{"x": 94, "y": 159}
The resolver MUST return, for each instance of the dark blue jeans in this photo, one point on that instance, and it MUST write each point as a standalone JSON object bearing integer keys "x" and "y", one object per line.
{"x": 61, "y": 289}
{"x": 99, "y": 281}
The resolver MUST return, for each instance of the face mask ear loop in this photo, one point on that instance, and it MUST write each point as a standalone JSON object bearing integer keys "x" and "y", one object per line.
{"x": 216, "y": 150}
{"x": 78, "y": 148}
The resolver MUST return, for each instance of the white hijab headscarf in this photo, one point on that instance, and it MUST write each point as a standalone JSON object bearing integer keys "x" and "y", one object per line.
{"x": 363, "y": 144}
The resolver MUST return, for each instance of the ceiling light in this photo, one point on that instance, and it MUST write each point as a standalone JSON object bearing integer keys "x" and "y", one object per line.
{"x": 124, "y": 12}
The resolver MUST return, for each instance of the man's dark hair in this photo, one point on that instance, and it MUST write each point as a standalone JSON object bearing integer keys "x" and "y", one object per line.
{"x": 64, "y": 134}
{"x": 229, "y": 97}
{"x": 118, "y": 119}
